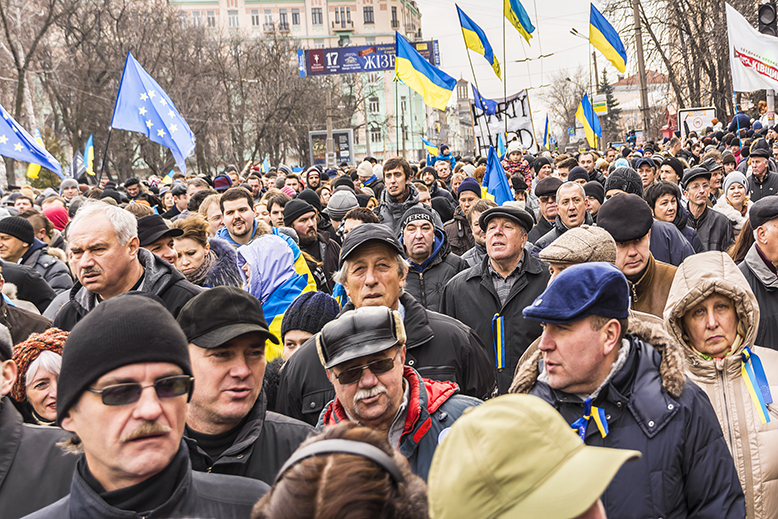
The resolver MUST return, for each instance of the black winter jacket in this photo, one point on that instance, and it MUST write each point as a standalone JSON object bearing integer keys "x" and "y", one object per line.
{"x": 472, "y": 299}
{"x": 681, "y": 222}
{"x": 20, "y": 322}
{"x": 56, "y": 273}
{"x": 714, "y": 229}
{"x": 540, "y": 229}
{"x": 390, "y": 211}
{"x": 30, "y": 285}
{"x": 558, "y": 230}
{"x": 686, "y": 469}
{"x": 768, "y": 186}
{"x": 196, "y": 495}
{"x": 460, "y": 235}
{"x": 160, "y": 278}
{"x": 438, "y": 347}
{"x": 34, "y": 471}
{"x": 263, "y": 445}
{"x": 668, "y": 244}
{"x": 764, "y": 285}
{"x": 327, "y": 251}
{"x": 426, "y": 286}
{"x": 475, "y": 255}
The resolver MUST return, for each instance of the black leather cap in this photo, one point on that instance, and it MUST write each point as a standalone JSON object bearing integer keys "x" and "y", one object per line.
{"x": 691, "y": 174}
{"x": 764, "y": 210}
{"x": 547, "y": 186}
{"x": 365, "y": 233}
{"x": 220, "y": 314}
{"x": 359, "y": 333}
{"x": 519, "y": 216}
{"x": 152, "y": 227}
{"x": 626, "y": 217}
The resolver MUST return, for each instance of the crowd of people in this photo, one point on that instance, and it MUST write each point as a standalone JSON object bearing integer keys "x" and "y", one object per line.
{"x": 386, "y": 341}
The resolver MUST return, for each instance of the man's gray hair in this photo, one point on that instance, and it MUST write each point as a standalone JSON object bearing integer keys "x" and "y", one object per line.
{"x": 341, "y": 276}
{"x": 570, "y": 184}
{"x": 124, "y": 223}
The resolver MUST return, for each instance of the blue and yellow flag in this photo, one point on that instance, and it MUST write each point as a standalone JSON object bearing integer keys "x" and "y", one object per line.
{"x": 591, "y": 123}
{"x": 606, "y": 40}
{"x": 500, "y": 146}
{"x": 431, "y": 148}
{"x": 546, "y": 135}
{"x": 434, "y": 85}
{"x": 33, "y": 169}
{"x": 89, "y": 157}
{"x": 495, "y": 186}
{"x": 515, "y": 13}
{"x": 475, "y": 39}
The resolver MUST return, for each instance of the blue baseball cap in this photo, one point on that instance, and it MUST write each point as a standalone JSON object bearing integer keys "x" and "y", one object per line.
{"x": 582, "y": 290}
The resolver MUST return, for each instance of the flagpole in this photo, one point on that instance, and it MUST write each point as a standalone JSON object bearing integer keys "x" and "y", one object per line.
{"x": 504, "y": 75}
{"x": 481, "y": 102}
{"x": 105, "y": 151}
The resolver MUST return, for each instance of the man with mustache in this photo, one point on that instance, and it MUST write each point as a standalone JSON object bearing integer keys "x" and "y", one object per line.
{"x": 364, "y": 353}
{"x": 123, "y": 390}
{"x": 105, "y": 254}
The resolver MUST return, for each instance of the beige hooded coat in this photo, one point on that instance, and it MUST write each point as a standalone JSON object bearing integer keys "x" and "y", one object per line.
{"x": 754, "y": 446}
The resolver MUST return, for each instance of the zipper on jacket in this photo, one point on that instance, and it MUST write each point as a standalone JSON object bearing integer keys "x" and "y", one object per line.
{"x": 726, "y": 408}
{"x": 423, "y": 292}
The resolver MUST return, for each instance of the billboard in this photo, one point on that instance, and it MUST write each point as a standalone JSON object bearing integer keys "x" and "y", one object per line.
{"x": 369, "y": 58}
{"x": 343, "y": 145}
{"x": 695, "y": 120}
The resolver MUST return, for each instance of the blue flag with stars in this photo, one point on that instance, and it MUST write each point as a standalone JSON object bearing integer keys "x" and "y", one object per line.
{"x": 142, "y": 106}
{"x": 16, "y": 143}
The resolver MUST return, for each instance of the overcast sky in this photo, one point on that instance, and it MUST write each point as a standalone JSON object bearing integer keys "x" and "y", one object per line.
{"x": 553, "y": 21}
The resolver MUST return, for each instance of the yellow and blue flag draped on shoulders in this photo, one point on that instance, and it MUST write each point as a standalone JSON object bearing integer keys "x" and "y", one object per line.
{"x": 431, "y": 148}
{"x": 475, "y": 39}
{"x": 606, "y": 40}
{"x": 515, "y": 13}
{"x": 434, "y": 85}
{"x": 495, "y": 186}
{"x": 546, "y": 135}
{"x": 591, "y": 123}
{"x": 89, "y": 156}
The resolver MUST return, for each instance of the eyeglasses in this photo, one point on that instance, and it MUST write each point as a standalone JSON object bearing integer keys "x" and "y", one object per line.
{"x": 377, "y": 367}
{"x": 125, "y": 394}
{"x": 548, "y": 199}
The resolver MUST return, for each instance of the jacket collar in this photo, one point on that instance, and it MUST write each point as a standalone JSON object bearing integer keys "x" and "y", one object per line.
{"x": 755, "y": 263}
{"x": 530, "y": 265}
{"x": 10, "y": 435}
{"x": 642, "y": 284}
{"x": 417, "y": 325}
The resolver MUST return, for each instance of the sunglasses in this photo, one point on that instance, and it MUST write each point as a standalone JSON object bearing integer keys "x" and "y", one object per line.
{"x": 377, "y": 367}
{"x": 548, "y": 199}
{"x": 125, "y": 394}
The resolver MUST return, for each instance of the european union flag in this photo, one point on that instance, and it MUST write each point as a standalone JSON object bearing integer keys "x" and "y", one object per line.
{"x": 142, "y": 106}
{"x": 495, "y": 185}
{"x": 487, "y": 106}
{"x": 16, "y": 143}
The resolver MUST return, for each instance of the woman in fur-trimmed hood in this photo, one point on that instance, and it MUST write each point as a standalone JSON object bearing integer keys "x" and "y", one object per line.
{"x": 713, "y": 313}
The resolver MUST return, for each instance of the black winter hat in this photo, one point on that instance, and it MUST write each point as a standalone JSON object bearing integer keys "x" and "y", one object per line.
{"x": 540, "y": 162}
{"x": 310, "y": 196}
{"x": 760, "y": 149}
{"x": 415, "y": 213}
{"x": 625, "y": 179}
{"x": 343, "y": 180}
{"x": 309, "y": 313}
{"x": 595, "y": 189}
{"x": 294, "y": 209}
{"x": 19, "y": 228}
{"x": 547, "y": 186}
{"x": 576, "y": 173}
{"x": 626, "y": 217}
{"x": 130, "y": 328}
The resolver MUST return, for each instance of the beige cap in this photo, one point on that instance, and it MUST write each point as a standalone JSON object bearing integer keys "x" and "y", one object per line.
{"x": 582, "y": 244}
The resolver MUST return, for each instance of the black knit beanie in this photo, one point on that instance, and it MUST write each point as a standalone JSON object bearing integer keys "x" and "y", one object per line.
{"x": 626, "y": 179}
{"x": 309, "y": 313}
{"x": 18, "y": 227}
{"x": 294, "y": 209}
{"x": 130, "y": 328}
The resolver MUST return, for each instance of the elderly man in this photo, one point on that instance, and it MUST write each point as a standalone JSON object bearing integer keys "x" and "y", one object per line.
{"x": 714, "y": 229}
{"x": 123, "y": 390}
{"x": 759, "y": 268}
{"x": 489, "y": 297}
{"x": 35, "y": 471}
{"x": 303, "y": 218}
{"x": 629, "y": 219}
{"x": 460, "y": 236}
{"x": 228, "y": 427}
{"x": 364, "y": 354}
{"x": 400, "y": 194}
{"x": 545, "y": 190}
{"x": 608, "y": 385}
{"x": 105, "y": 254}
{"x": 373, "y": 271}
{"x": 763, "y": 180}
{"x": 477, "y": 254}
{"x": 432, "y": 262}
{"x": 180, "y": 201}
{"x": 572, "y": 213}
{"x": 156, "y": 237}
{"x": 18, "y": 244}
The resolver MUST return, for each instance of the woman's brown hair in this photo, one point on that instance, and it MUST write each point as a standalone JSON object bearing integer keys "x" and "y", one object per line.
{"x": 195, "y": 228}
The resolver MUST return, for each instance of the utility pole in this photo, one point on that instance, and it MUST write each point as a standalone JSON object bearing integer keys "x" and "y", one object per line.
{"x": 596, "y": 76}
{"x": 330, "y": 161}
{"x": 642, "y": 73}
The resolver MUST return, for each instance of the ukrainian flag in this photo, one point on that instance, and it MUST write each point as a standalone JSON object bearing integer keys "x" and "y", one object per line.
{"x": 89, "y": 156}
{"x": 591, "y": 123}
{"x": 515, "y": 13}
{"x": 431, "y": 148}
{"x": 475, "y": 39}
{"x": 546, "y": 135}
{"x": 434, "y": 85}
{"x": 495, "y": 186}
{"x": 605, "y": 39}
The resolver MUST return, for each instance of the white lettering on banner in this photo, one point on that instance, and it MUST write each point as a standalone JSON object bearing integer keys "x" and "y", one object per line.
{"x": 516, "y": 110}
{"x": 757, "y": 65}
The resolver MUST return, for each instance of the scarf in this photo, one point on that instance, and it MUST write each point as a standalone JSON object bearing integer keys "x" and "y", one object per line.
{"x": 198, "y": 275}
{"x": 733, "y": 348}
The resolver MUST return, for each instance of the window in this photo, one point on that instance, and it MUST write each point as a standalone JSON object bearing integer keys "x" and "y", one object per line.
{"x": 211, "y": 18}
{"x": 232, "y": 19}
{"x": 295, "y": 17}
{"x": 403, "y": 104}
{"x": 337, "y": 18}
{"x": 372, "y": 105}
{"x": 182, "y": 19}
{"x": 368, "y": 12}
{"x": 255, "y": 18}
{"x": 283, "y": 21}
{"x": 318, "y": 43}
{"x": 373, "y": 77}
{"x": 370, "y": 40}
{"x": 196, "y": 18}
{"x": 316, "y": 18}
{"x": 375, "y": 134}
{"x": 268, "y": 27}
{"x": 348, "y": 14}
{"x": 405, "y": 133}
{"x": 395, "y": 23}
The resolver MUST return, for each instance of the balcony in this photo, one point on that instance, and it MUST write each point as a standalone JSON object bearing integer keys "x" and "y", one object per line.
{"x": 343, "y": 26}
{"x": 283, "y": 27}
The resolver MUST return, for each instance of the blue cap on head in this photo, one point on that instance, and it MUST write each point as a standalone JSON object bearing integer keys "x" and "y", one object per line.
{"x": 580, "y": 291}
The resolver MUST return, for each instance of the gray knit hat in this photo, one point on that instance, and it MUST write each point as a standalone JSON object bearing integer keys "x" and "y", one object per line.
{"x": 341, "y": 202}
{"x": 582, "y": 244}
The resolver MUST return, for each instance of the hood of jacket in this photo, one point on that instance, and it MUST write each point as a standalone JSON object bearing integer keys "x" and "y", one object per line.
{"x": 698, "y": 277}
{"x": 35, "y": 246}
{"x": 651, "y": 331}
{"x": 158, "y": 275}
{"x": 225, "y": 271}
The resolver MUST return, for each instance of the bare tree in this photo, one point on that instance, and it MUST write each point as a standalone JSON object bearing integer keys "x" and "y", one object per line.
{"x": 564, "y": 95}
